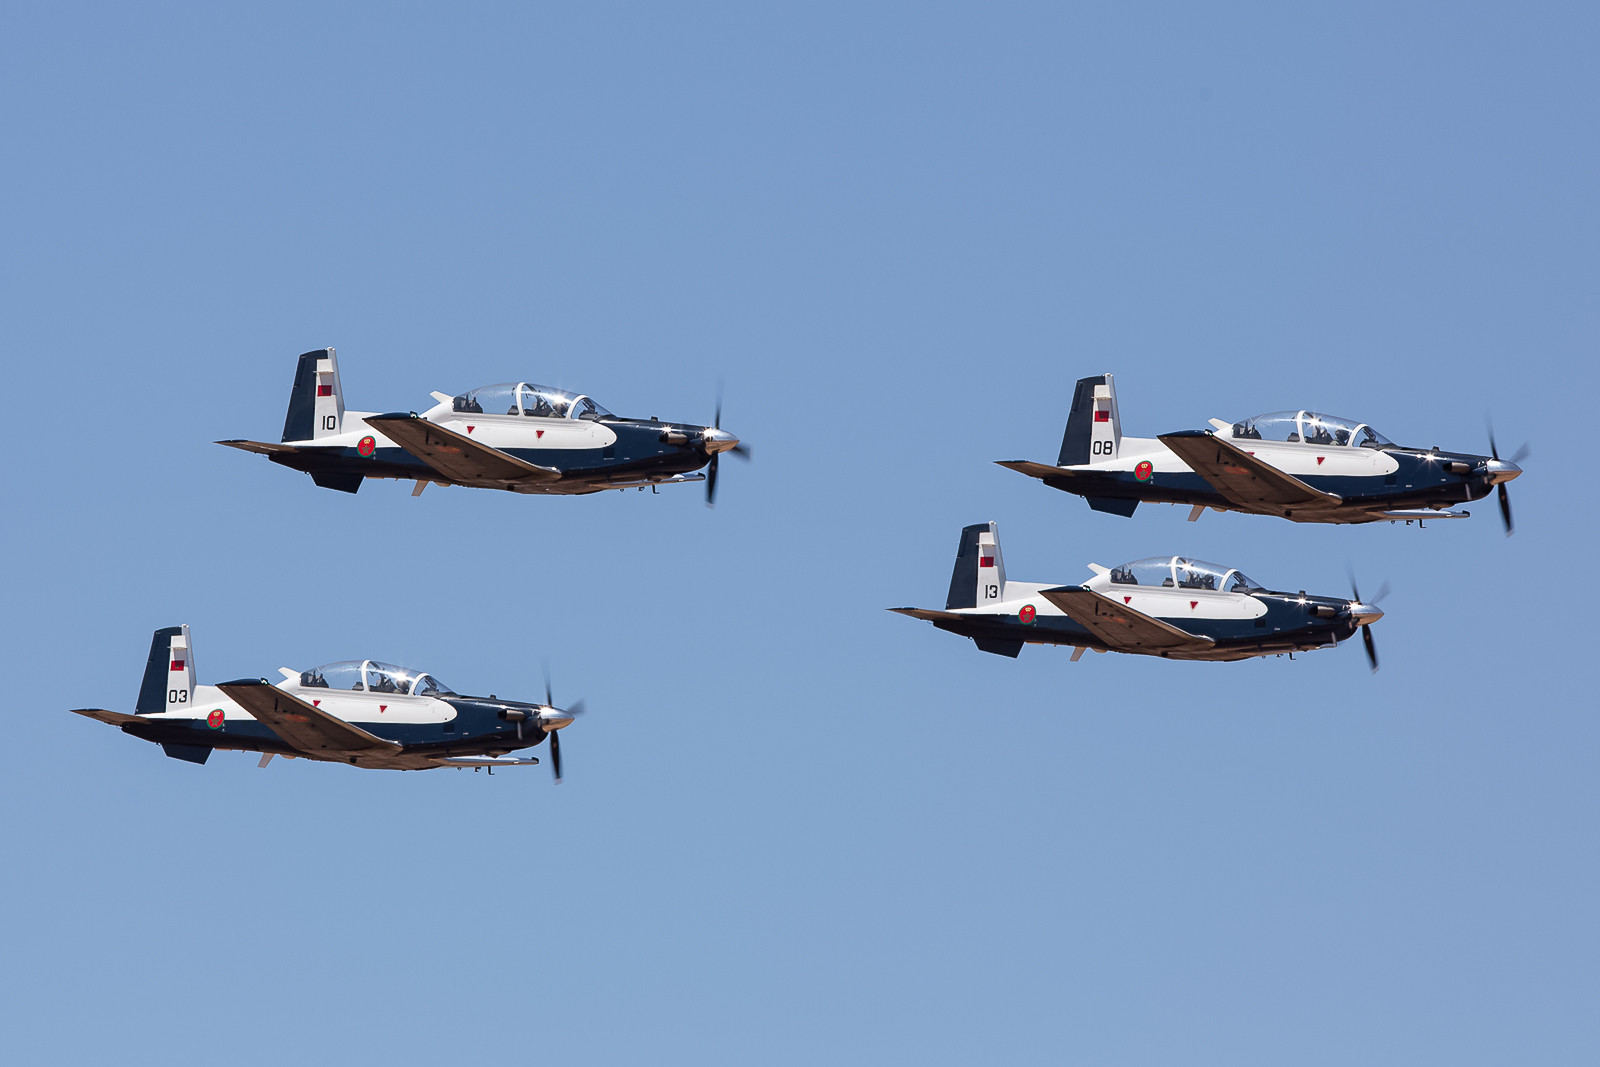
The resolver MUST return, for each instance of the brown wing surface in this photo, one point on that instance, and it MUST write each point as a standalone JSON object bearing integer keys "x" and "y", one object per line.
{"x": 1241, "y": 477}
{"x": 1120, "y": 626}
{"x": 457, "y": 456}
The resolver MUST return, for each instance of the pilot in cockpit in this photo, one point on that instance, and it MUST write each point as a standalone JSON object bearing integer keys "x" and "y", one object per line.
{"x": 1123, "y": 576}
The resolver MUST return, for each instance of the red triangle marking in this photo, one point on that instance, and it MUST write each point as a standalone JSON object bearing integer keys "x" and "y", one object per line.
{"x": 1320, "y": 459}
{"x": 1127, "y": 600}
{"x": 539, "y": 434}
{"x": 316, "y": 703}
{"x": 1193, "y": 604}
{"x": 383, "y": 707}
{"x": 471, "y": 428}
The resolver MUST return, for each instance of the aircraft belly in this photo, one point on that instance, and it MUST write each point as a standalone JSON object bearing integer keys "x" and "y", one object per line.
{"x": 1055, "y": 629}
{"x": 1161, "y": 487}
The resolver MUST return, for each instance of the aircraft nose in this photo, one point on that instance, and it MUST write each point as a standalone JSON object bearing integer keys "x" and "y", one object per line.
{"x": 1364, "y": 614}
{"x": 554, "y": 719}
{"x": 1501, "y": 470}
{"x": 717, "y": 440}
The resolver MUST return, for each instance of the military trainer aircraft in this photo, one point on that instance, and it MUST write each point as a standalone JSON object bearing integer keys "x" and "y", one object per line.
{"x": 517, "y": 436}
{"x": 360, "y": 712}
{"x": 1169, "y": 606}
{"x": 1300, "y": 465}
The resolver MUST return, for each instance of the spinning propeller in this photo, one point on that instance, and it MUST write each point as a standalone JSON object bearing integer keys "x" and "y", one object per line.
{"x": 716, "y": 442}
{"x": 551, "y": 720}
{"x": 1365, "y": 614}
{"x": 1502, "y": 471}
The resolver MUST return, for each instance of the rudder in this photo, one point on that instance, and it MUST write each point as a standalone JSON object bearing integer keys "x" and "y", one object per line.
{"x": 979, "y": 576}
{"x": 316, "y": 402}
{"x": 168, "y": 674}
{"x": 1093, "y": 432}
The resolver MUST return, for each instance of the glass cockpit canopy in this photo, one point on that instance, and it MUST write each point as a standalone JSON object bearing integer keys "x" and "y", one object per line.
{"x": 525, "y": 398}
{"x": 1310, "y": 427}
{"x": 1181, "y": 572}
{"x": 373, "y": 676}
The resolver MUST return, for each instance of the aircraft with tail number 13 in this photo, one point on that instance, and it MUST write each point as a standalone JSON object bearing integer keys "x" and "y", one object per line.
{"x": 1173, "y": 607}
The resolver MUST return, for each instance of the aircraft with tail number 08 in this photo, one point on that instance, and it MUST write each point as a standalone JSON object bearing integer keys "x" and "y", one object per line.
{"x": 1299, "y": 465}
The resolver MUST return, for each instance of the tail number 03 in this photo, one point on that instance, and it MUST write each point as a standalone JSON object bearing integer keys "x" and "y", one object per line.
{"x": 177, "y": 696}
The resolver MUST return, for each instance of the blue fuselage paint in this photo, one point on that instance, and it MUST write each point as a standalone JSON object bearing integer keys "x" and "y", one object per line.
{"x": 476, "y": 730}
{"x": 638, "y": 453}
{"x": 1423, "y": 480}
{"x": 1289, "y": 625}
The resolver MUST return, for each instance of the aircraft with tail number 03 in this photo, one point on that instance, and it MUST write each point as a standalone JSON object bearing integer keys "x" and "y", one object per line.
{"x": 359, "y": 712}
{"x": 517, "y": 436}
{"x": 1298, "y": 465}
{"x": 1173, "y": 607}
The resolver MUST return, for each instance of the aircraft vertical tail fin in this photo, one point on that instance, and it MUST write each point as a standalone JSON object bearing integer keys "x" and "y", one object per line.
{"x": 169, "y": 673}
{"x": 316, "y": 403}
{"x": 1094, "y": 432}
{"x": 979, "y": 577}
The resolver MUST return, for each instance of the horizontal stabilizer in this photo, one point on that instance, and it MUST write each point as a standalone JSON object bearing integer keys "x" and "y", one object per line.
{"x": 930, "y": 615}
{"x": 457, "y": 456}
{"x": 260, "y": 447}
{"x": 1036, "y": 470}
{"x": 113, "y": 718}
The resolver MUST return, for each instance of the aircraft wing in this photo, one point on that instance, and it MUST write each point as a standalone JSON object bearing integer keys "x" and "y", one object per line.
{"x": 1120, "y": 626}
{"x": 1241, "y": 477}
{"x": 457, "y": 456}
{"x": 308, "y": 728}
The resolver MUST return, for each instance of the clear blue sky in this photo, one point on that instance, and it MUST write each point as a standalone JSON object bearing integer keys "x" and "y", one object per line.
{"x": 796, "y": 828}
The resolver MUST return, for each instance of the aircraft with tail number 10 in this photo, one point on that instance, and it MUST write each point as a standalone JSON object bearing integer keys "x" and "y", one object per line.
{"x": 520, "y": 437}
{"x": 1173, "y": 607}
{"x": 1298, "y": 465}
{"x": 359, "y": 712}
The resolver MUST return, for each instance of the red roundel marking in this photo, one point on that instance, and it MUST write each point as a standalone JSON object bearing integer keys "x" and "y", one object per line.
{"x": 366, "y": 446}
{"x": 1027, "y": 613}
{"x": 215, "y": 719}
{"x": 1143, "y": 471}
